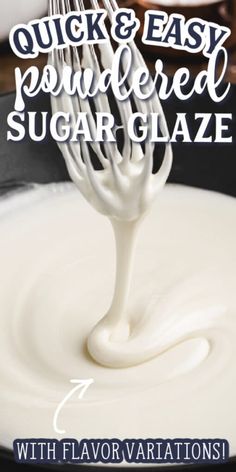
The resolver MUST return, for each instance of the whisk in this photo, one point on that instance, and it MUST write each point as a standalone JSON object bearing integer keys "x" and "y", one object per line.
{"x": 125, "y": 174}
{"x": 124, "y": 186}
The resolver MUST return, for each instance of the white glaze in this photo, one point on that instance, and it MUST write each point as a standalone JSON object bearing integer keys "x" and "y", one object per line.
{"x": 124, "y": 190}
{"x": 57, "y": 269}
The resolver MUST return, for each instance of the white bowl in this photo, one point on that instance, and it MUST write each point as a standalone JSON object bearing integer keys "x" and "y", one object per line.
{"x": 13, "y": 12}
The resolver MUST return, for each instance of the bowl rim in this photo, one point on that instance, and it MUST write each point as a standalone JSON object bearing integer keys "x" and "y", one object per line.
{"x": 8, "y": 455}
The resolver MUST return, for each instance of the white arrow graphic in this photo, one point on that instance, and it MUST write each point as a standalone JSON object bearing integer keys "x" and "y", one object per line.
{"x": 81, "y": 386}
